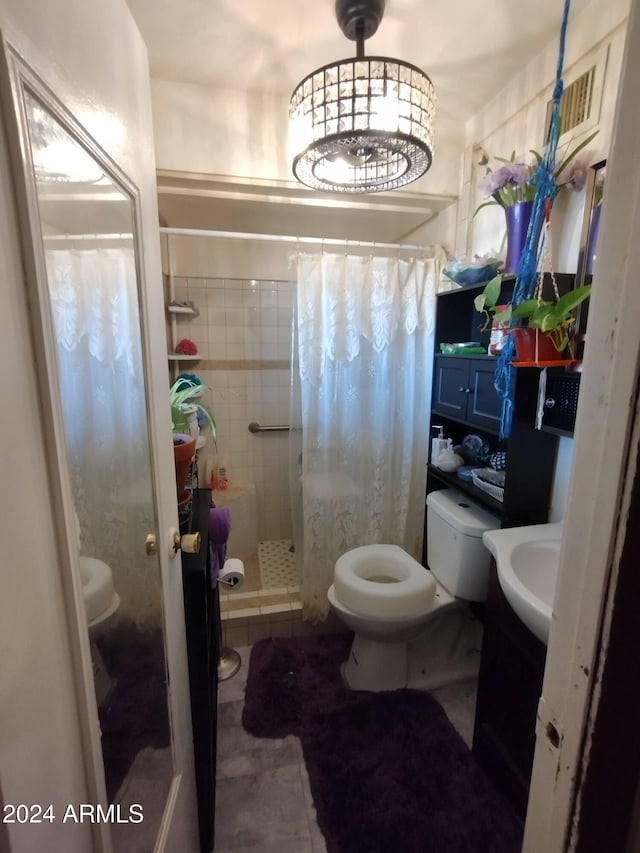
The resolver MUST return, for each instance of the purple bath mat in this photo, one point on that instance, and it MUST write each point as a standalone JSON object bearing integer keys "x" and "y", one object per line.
{"x": 388, "y": 771}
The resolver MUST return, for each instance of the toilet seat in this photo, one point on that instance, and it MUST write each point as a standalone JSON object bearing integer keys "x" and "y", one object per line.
{"x": 383, "y": 581}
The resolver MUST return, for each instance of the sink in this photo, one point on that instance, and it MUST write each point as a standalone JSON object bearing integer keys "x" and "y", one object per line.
{"x": 527, "y": 559}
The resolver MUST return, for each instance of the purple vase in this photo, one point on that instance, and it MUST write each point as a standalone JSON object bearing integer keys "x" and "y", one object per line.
{"x": 518, "y": 216}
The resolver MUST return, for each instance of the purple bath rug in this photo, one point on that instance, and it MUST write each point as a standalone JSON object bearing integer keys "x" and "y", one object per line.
{"x": 388, "y": 771}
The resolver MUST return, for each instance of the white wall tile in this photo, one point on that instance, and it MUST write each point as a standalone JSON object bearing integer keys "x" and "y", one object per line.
{"x": 240, "y": 320}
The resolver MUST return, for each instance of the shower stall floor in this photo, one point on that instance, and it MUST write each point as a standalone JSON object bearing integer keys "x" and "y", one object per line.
{"x": 268, "y": 604}
{"x": 277, "y": 564}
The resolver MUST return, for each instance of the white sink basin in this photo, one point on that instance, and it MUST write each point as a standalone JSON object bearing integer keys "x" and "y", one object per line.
{"x": 527, "y": 559}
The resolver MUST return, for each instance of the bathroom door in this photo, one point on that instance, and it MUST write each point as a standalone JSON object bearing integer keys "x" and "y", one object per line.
{"x": 104, "y": 403}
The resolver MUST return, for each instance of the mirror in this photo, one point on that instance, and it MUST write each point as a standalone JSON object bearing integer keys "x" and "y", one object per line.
{"x": 594, "y": 191}
{"x": 87, "y": 247}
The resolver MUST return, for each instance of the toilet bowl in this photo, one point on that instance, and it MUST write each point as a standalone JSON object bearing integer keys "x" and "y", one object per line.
{"x": 398, "y": 609}
{"x": 100, "y": 598}
{"x": 101, "y": 601}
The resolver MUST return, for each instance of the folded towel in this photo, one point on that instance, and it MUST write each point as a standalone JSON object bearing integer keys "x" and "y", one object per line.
{"x": 219, "y": 529}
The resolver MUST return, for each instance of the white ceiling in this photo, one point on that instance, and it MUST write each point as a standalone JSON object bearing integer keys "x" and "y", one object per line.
{"x": 469, "y": 49}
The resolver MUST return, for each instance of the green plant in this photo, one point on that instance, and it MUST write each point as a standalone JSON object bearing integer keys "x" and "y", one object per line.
{"x": 183, "y": 393}
{"x": 555, "y": 318}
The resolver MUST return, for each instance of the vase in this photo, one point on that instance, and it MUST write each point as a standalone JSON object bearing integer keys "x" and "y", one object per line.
{"x": 518, "y": 216}
{"x": 533, "y": 346}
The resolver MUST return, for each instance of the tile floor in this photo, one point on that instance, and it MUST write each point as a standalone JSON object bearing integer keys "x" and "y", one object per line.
{"x": 277, "y": 563}
{"x": 263, "y": 799}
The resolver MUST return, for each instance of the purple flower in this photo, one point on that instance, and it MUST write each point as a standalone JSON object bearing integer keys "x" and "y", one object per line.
{"x": 574, "y": 176}
{"x": 494, "y": 181}
{"x": 520, "y": 173}
{"x": 511, "y": 181}
{"x": 507, "y": 181}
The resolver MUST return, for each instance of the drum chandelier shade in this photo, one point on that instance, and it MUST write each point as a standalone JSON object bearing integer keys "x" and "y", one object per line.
{"x": 364, "y": 124}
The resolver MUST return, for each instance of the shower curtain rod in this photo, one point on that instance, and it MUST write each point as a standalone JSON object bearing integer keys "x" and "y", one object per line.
{"x": 279, "y": 238}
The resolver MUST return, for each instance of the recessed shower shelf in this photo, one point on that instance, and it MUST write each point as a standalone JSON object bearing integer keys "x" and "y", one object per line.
{"x": 178, "y": 356}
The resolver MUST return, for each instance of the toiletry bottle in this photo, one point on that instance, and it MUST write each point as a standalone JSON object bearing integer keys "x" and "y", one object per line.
{"x": 437, "y": 444}
{"x": 499, "y": 332}
{"x": 223, "y": 476}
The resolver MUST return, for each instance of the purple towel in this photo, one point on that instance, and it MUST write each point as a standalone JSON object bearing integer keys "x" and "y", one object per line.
{"x": 219, "y": 529}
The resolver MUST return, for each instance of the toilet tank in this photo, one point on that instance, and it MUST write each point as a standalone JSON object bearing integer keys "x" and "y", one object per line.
{"x": 455, "y": 552}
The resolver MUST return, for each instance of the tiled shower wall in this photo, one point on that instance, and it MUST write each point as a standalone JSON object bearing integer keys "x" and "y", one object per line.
{"x": 243, "y": 335}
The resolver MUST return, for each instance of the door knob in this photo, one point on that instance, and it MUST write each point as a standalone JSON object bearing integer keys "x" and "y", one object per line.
{"x": 150, "y": 545}
{"x": 190, "y": 542}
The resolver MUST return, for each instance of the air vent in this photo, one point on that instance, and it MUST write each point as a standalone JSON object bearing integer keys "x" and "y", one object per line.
{"x": 576, "y": 102}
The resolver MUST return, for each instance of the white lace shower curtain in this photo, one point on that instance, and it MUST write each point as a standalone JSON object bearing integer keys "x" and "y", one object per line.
{"x": 361, "y": 391}
{"x": 94, "y": 303}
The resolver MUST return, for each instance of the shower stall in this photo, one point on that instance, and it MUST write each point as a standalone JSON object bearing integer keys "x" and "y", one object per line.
{"x": 242, "y": 328}
{"x": 245, "y": 329}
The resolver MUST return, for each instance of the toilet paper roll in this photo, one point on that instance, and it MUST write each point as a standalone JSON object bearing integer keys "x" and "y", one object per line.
{"x": 232, "y": 573}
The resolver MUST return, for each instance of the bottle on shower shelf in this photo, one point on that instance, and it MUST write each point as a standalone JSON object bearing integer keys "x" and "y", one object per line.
{"x": 222, "y": 476}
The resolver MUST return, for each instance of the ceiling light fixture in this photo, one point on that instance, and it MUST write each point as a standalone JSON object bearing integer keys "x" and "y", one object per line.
{"x": 362, "y": 125}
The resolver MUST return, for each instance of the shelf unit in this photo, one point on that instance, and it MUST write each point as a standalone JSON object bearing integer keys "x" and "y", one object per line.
{"x": 178, "y": 356}
{"x": 174, "y": 311}
{"x": 464, "y": 401}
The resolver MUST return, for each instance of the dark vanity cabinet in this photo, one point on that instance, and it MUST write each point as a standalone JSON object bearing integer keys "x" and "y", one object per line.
{"x": 202, "y": 614}
{"x": 509, "y": 687}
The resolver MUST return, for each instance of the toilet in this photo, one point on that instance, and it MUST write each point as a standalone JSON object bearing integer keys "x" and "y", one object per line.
{"x": 413, "y": 626}
{"x": 101, "y": 601}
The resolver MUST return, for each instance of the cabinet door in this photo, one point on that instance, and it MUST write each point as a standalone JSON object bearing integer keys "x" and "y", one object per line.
{"x": 450, "y": 386}
{"x": 484, "y": 405}
{"x": 509, "y": 687}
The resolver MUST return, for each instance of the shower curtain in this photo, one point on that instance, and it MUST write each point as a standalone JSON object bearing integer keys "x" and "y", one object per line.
{"x": 361, "y": 386}
{"x": 94, "y": 304}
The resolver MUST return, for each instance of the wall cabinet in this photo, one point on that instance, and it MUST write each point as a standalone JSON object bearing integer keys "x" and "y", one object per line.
{"x": 464, "y": 401}
{"x": 463, "y": 388}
